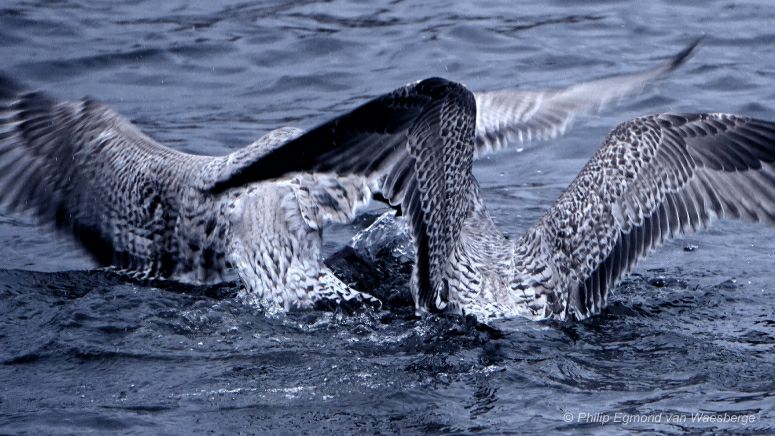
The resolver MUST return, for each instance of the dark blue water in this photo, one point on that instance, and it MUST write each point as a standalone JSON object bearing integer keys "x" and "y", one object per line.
{"x": 692, "y": 332}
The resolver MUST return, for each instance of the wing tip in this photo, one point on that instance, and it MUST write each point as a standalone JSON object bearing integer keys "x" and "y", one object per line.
{"x": 684, "y": 55}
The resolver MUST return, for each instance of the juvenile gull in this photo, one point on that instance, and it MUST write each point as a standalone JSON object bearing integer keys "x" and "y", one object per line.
{"x": 142, "y": 207}
{"x": 653, "y": 177}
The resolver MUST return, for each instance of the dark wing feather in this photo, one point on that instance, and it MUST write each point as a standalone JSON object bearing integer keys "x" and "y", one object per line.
{"x": 362, "y": 141}
{"x": 514, "y": 116}
{"x": 653, "y": 178}
{"x": 418, "y": 140}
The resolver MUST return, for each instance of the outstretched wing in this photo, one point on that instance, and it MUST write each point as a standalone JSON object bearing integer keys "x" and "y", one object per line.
{"x": 653, "y": 178}
{"x": 514, "y": 116}
{"x": 90, "y": 172}
{"x": 418, "y": 142}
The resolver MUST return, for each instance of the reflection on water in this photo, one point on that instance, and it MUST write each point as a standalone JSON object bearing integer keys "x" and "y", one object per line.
{"x": 691, "y": 332}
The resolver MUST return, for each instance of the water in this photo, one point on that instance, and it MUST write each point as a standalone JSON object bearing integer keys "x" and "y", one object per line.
{"x": 82, "y": 351}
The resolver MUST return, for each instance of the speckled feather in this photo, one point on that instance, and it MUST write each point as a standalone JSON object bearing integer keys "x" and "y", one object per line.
{"x": 653, "y": 178}
{"x": 140, "y": 207}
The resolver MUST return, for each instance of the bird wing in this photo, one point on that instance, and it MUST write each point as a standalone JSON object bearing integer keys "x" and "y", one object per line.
{"x": 90, "y": 172}
{"x": 653, "y": 178}
{"x": 512, "y": 116}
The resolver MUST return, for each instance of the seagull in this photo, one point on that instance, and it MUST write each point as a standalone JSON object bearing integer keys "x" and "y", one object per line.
{"x": 142, "y": 208}
{"x": 653, "y": 177}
